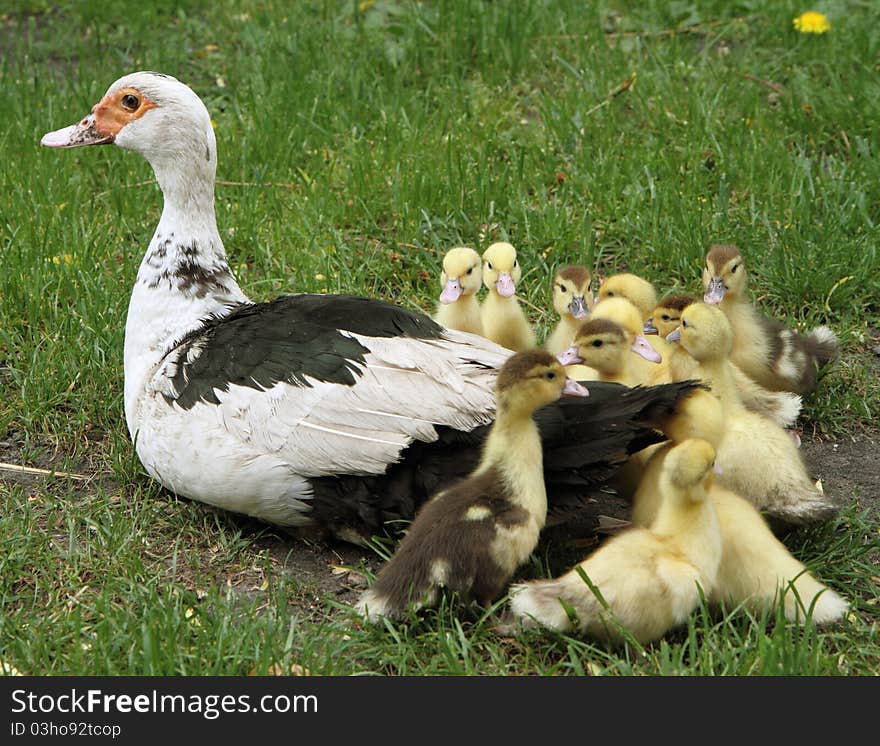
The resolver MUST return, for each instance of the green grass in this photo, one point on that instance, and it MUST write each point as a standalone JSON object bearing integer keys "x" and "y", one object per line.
{"x": 357, "y": 143}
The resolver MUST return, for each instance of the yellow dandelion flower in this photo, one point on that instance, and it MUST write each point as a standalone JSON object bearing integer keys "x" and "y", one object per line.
{"x": 812, "y": 22}
{"x": 319, "y": 276}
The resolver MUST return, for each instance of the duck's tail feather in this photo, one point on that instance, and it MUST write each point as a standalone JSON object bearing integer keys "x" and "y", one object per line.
{"x": 823, "y": 345}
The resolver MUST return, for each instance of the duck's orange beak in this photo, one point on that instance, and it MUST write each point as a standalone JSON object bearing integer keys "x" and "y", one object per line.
{"x": 100, "y": 127}
{"x": 85, "y": 132}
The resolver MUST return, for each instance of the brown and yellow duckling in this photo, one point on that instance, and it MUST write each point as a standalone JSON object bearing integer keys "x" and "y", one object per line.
{"x": 470, "y": 538}
{"x": 572, "y": 300}
{"x": 504, "y": 321}
{"x": 649, "y": 579}
{"x": 640, "y": 368}
{"x": 776, "y": 357}
{"x": 461, "y": 279}
{"x": 608, "y": 348}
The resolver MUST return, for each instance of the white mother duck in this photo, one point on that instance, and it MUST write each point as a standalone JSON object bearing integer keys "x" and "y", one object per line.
{"x": 333, "y": 411}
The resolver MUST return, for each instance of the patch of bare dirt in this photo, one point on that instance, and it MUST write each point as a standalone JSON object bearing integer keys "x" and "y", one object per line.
{"x": 848, "y": 466}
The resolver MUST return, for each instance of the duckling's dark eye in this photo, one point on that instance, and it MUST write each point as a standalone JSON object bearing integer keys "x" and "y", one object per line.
{"x": 515, "y": 263}
{"x": 129, "y": 102}
{"x": 470, "y": 270}
{"x": 562, "y": 287}
{"x": 733, "y": 269}
{"x": 597, "y": 343}
{"x": 489, "y": 265}
{"x": 684, "y": 323}
{"x": 665, "y": 317}
{"x": 610, "y": 294}
{"x": 551, "y": 375}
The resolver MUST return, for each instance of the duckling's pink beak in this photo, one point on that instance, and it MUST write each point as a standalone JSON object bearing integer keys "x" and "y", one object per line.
{"x": 569, "y": 356}
{"x": 504, "y": 285}
{"x": 674, "y": 335}
{"x": 643, "y": 347}
{"x": 715, "y": 292}
{"x": 84, "y": 132}
{"x": 573, "y": 388}
{"x": 578, "y": 307}
{"x": 451, "y": 292}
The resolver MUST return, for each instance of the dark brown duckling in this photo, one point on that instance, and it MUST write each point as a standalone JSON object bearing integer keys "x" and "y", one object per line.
{"x": 774, "y": 356}
{"x": 471, "y": 537}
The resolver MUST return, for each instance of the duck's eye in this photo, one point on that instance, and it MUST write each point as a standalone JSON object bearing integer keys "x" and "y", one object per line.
{"x": 665, "y": 317}
{"x": 130, "y": 102}
{"x": 562, "y": 287}
{"x": 733, "y": 269}
{"x": 489, "y": 265}
{"x": 597, "y": 343}
{"x": 470, "y": 271}
{"x": 684, "y": 323}
{"x": 515, "y": 263}
{"x": 609, "y": 294}
{"x": 551, "y": 375}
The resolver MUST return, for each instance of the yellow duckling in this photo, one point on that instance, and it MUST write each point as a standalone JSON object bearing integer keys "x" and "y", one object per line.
{"x": 649, "y": 579}
{"x": 633, "y": 288}
{"x": 461, "y": 280}
{"x": 503, "y": 319}
{"x": 759, "y": 460}
{"x": 641, "y": 294}
{"x": 756, "y": 568}
{"x": 783, "y": 407}
{"x": 572, "y": 300}
{"x": 775, "y": 357}
{"x": 470, "y": 538}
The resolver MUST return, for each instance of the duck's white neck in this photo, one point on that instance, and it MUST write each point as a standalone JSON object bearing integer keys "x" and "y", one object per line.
{"x": 184, "y": 277}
